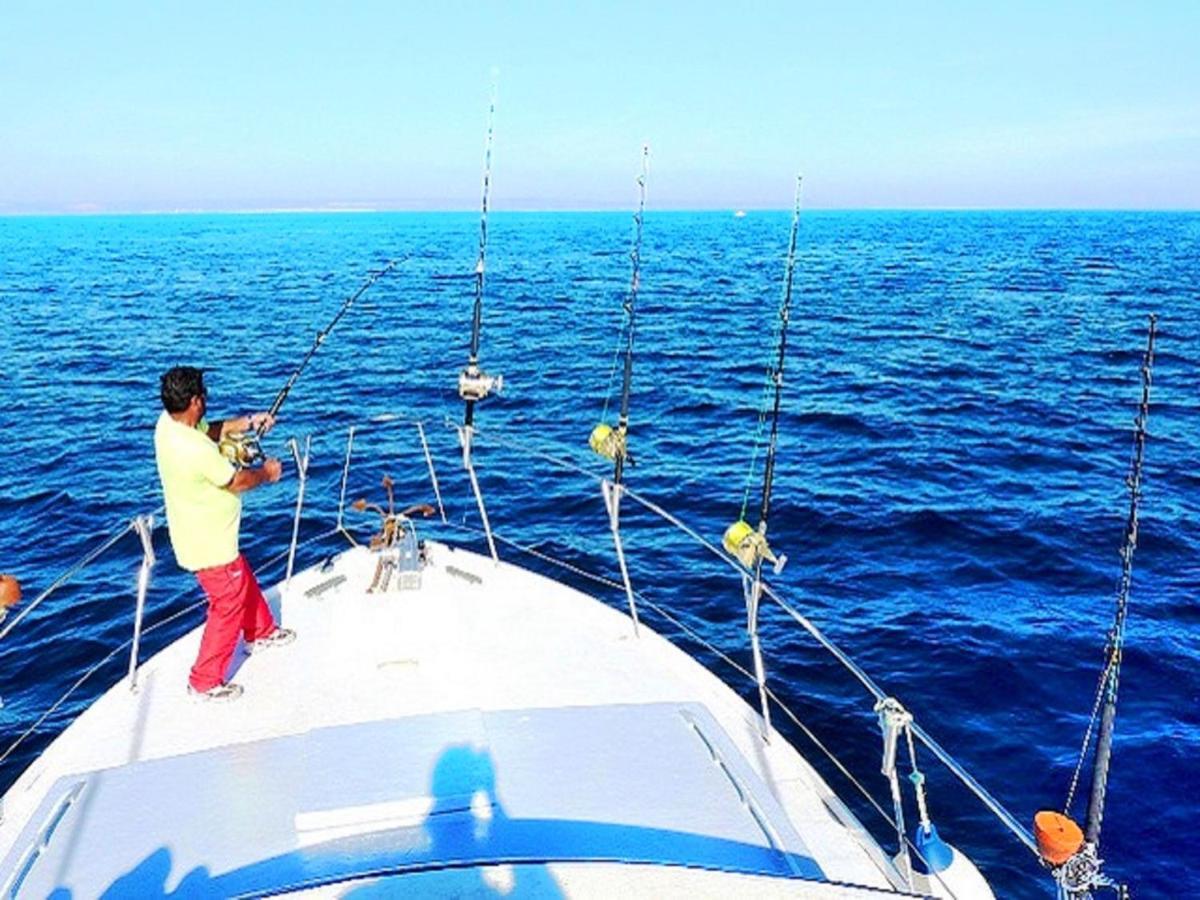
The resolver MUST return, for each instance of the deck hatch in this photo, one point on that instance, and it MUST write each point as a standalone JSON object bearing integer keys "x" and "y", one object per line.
{"x": 624, "y": 783}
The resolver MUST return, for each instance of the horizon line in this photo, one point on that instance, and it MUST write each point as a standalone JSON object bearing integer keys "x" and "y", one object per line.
{"x": 731, "y": 210}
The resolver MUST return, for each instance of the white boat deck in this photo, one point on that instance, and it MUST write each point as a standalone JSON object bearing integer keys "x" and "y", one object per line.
{"x": 611, "y": 763}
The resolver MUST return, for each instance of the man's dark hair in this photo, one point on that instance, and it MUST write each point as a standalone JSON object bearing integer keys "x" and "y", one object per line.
{"x": 179, "y": 386}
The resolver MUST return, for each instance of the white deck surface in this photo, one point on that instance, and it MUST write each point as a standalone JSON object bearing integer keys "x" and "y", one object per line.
{"x": 491, "y": 638}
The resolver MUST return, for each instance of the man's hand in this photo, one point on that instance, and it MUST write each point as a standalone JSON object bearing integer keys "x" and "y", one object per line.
{"x": 242, "y": 424}
{"x": 273, "y": 469}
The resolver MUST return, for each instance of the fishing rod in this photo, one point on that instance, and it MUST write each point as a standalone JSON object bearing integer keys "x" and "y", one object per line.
{"x": 1116, "y": 637}
{"x": 747, "y": 544}
{"x": 1073, "y": 853}
{"x": 604, "y": 440}
{"x": 473, "y": 383}
{"x": 244, "y": 448}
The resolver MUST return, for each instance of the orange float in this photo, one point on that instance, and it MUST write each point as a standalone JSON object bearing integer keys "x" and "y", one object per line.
{"x": 1058, "y": 838}
{"x": 10, "y": 591}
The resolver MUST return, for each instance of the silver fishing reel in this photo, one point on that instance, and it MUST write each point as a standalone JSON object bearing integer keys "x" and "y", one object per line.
{"x": 242, "y": 448}
{"x": 475, "y": 385}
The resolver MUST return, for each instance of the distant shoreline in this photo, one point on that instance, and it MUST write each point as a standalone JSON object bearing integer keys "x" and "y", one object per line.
{"x": 749, "y": 211}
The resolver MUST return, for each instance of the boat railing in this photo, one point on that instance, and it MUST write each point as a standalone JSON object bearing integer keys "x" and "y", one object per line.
{"x": 896, "y": 722}
{"x": 883, "y": 702}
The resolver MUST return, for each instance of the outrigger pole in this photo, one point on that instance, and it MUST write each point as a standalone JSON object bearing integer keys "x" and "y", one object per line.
{"x": 1074, "y": 854}
{"x": 746, "y": 544}
{"x": 245, "y": 448}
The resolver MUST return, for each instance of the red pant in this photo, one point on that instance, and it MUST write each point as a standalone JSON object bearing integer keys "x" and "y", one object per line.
{"x": 235, "y": 605}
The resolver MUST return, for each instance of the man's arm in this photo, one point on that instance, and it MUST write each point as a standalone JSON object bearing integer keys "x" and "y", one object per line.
{"x": 245, "y": 479}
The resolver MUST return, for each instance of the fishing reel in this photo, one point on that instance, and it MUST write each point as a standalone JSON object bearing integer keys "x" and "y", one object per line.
{"x": 607, "y": 441}
{"x": 610, "y": 442}
{"x": 475, "y": 384}
{"x": 749, "y": 546}
{"x": 242, "y": 448}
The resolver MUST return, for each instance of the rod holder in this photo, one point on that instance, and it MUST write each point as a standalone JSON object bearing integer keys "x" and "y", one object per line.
{"x": 144, "y": 526}
{"x": 753, "y": 590}
{"x": 302, "y": 477}
{"x": 432, "y": 473}
{"x": 612, "y": 503}
{"x": 894, "y": 720}
{"x": 345, "y": 478}
{"x": 465, "y": 433}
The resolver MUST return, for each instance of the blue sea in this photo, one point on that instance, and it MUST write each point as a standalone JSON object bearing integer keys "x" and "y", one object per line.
{"x": 955, "y": 438}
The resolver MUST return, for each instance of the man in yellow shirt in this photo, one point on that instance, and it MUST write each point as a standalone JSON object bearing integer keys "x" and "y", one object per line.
{"x": 204, "y": 509}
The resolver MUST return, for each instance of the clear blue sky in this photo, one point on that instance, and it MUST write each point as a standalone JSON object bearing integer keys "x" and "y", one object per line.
{"x": 122, "y": 106}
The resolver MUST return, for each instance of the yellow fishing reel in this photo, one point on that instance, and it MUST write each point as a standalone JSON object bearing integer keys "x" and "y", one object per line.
{"x": 749, "y": 546}
{"x": 607, "y": 441}
{"x": 242, "y": 448}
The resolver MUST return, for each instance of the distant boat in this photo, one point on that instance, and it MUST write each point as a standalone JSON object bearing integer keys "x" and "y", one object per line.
{"x": 740, "y": 214}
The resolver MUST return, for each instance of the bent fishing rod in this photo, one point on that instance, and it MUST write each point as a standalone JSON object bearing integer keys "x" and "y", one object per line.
{"x": 244, "y": 448}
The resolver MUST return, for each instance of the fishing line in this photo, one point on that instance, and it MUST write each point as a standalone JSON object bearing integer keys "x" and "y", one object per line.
{"x": 244, "y": 448}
